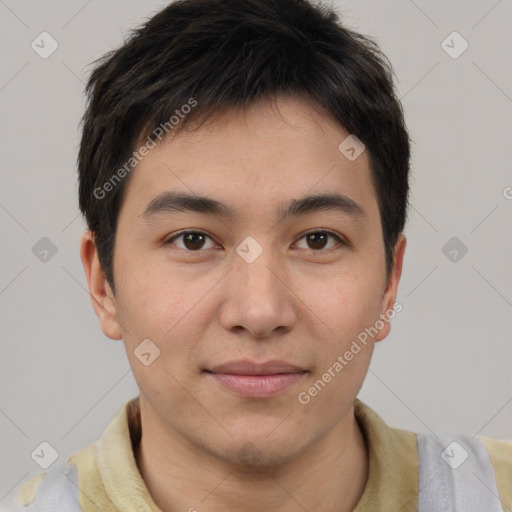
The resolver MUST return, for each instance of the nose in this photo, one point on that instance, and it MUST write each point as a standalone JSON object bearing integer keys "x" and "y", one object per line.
{"x": 260, "y": 298}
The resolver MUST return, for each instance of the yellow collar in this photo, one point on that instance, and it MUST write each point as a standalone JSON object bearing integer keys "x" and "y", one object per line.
{"x": 392, "y": 484}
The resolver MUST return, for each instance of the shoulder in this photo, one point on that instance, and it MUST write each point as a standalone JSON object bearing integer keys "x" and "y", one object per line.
{"x": 500, "y": 453}
{"x": 55, "y": 490}
{"x": 52, "y": 491}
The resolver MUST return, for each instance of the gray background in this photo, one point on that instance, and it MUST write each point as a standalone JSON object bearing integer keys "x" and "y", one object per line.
{"x": 446, "y": 365}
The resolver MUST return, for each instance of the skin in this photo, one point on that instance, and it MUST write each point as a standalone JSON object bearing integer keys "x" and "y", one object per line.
{"x": 300, "y": 302}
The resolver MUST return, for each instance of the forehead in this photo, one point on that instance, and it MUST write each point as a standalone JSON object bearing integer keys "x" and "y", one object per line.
{"x": 256, "y": 159}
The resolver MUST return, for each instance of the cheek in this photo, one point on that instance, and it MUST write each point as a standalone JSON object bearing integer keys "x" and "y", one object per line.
{"x": 344, "y": 354}
{"x": 348, "y": 310}
{"x": 347, "y": 304}
{"x": 150, "y": 296}
{"x": 156, "y": 308}
{"x": 165, "y": 307}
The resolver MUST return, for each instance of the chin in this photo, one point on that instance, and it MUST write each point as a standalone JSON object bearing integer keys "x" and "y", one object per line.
{"x": 259, "y": 452}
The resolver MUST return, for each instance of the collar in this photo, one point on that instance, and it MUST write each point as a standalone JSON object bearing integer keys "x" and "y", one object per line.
{"x": 392, "y": 483}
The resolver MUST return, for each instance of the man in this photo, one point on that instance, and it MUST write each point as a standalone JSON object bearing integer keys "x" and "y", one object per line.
{"x": 244, "y": 176}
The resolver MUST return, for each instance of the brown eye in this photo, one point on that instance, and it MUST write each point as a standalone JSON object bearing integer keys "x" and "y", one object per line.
{"x": 192, "y": 240}
{"x": 317, "y": 240}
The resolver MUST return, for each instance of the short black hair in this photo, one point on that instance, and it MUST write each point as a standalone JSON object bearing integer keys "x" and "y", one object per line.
{"x": 210, "y": 55}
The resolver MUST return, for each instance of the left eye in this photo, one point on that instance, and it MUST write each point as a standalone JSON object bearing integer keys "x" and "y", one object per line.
{"x": 320, "y": 237}
{"x": 194, "y": 240}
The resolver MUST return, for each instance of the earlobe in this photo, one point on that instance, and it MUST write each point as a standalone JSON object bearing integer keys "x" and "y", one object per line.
{"x": 389, "y": 297}
{"x": 102, "y": 297}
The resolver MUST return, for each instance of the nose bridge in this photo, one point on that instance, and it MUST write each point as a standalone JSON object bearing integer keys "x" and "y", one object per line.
{"x": 256, "y": 268}
{"x": 259, "y": 299}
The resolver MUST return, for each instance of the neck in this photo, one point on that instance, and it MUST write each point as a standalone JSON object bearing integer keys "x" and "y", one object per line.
{"x": 329, "y": 475}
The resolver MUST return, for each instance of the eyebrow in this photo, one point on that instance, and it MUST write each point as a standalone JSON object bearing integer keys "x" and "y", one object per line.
{"x": 169, "y": 202}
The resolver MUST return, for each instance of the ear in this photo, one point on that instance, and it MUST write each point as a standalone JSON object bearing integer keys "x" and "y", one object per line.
{"x": 389, "y": 297}
{"x": 102, "y": 297}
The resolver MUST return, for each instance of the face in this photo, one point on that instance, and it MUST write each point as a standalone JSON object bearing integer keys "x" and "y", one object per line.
{"x": 249, "y": 282}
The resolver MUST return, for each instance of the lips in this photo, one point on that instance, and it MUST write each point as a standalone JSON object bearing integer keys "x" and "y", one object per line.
{"x": 247, "y": 367}
{"x": 256, "y": 380}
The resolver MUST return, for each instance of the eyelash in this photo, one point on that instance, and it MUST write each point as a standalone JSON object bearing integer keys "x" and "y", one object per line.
{"x": 340, "y": 240}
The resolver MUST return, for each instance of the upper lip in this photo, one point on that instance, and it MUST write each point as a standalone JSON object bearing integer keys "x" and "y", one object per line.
{"x": 247, "y": 367}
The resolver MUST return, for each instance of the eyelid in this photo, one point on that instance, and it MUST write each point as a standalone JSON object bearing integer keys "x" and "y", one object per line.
{"x": 173, "y": 237}
{"x": 339, "y": 238}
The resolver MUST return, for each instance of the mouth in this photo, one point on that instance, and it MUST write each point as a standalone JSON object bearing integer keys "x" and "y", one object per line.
{"x": 256, "y": 380}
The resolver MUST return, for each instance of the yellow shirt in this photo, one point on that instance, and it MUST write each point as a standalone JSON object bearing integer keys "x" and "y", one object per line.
{"x": 109, "y": 479}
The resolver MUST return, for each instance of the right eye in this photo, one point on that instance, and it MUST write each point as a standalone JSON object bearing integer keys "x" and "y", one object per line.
{"x": 193, "y": 241}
